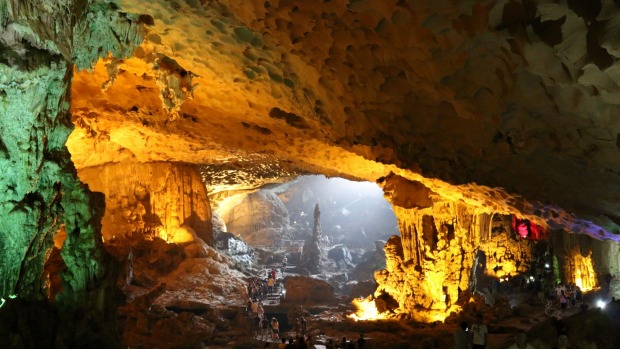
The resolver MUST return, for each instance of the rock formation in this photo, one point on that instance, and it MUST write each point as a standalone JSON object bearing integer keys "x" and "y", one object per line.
{"x": 162, "y": 200}
{"x": 311, "y": 253}
{"x": 43, "y": 203}
{"x": 260, "y": 219}
{"x": 308, "y": 290}
{"x": 444, "y": 248}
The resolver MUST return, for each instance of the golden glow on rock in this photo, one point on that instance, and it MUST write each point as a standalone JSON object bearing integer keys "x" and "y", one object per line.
{"x": 366, "y": 310}
{"x": 583, "y": 272}
{"x": 176, "y": 235}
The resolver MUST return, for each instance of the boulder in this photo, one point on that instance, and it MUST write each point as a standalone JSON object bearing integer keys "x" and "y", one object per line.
{"x": 341, "y": 255}
{"x": 305, "y": 289}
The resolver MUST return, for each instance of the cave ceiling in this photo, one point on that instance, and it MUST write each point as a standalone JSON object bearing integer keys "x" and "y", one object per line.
{"x": 510, "y": 106}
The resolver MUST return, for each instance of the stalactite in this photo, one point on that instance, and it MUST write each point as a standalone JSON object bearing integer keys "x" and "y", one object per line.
{"x": 431, "y": 264}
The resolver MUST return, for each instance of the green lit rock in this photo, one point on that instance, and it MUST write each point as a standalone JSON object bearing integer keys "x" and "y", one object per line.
{"x": 45, "y": 210}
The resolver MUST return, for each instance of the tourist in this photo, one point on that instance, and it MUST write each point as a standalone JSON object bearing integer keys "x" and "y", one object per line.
{"x": 275, "y": 328}
{"x": 521, "y": 342}
{"x": 343, "y": 343}
{"x": 361, "y": 341}
{"x": 297, "y": 327}
{"x": 264, "y": 289}
{"x": 578, "y": 295}
{"x": 258, "y": 320}
{"x": 310, "y": 342}
{"x": 264, "y": 326}
{"x": 284, "y": 260}
{"x": 461, "y": 337}
{"x": 254, "y": 307}
{"x": 301, "y": 342}
{"x": 563, "y": 300}
{"x": 270, "y": 284}
{"x": 479, "y": 333}
{"x": 283, "y": 344}
{"x": 303, "y": 324}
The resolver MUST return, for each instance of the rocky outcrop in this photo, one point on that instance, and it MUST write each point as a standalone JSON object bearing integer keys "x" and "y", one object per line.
{"x": 236, "y": 249}
{"x": 175, "y": 292}
{"x": 165, "y": 200}
{"x": 308, "y": 290}
{"x": 260, "y": 219}
{"x": 370, "y": 262}
{"x": 341, "y": 256}
{"x": 587, "y": 262}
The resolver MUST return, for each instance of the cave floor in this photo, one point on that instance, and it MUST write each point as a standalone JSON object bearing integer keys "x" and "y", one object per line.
{"x": 514, "y": 311}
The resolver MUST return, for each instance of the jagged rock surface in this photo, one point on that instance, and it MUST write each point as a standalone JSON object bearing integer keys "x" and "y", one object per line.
{"x": 43, "y": 202}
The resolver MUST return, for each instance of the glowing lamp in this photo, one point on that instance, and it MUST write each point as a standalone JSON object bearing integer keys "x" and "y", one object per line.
{"x": 601, "y": 304}
{"x": 522, "y": 229}
{"x": 547, "y": 265}
{"x": 366, "y": 310}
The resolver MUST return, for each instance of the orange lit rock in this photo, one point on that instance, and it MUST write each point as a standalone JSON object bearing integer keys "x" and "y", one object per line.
{"x": 438, "y": 256}
{"x": 163, "y": 200}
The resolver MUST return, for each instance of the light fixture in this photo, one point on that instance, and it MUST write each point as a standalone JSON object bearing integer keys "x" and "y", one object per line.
{"x": 601, "y": 304}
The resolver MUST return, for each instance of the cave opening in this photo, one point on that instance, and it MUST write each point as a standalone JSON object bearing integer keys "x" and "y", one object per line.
{"x": 350, "y": 221}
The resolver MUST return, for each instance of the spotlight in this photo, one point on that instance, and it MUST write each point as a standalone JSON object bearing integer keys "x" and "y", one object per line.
{"x": 601, "y": 304}
{"x": 532, "y": 278}
{"x": 547, "y": 265}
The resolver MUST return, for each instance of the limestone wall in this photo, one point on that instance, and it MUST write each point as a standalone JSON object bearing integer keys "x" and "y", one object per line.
{"x": 587, "y": 262}
{"x": 157, "y": 199}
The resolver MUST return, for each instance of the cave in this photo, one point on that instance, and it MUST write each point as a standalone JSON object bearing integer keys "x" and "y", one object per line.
{"x": 131, "y": 131}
